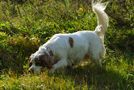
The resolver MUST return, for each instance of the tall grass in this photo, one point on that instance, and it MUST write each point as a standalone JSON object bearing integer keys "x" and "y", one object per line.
{"x": 24, "y": 27}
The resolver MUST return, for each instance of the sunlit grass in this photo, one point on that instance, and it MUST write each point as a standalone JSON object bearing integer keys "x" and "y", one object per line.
{"x": 115, "y": 73}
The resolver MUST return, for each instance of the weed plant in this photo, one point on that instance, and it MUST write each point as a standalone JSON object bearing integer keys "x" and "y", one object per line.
{"x": 24, "y": 27}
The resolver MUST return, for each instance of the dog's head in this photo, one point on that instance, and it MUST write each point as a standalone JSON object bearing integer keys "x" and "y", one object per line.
{"x": 40, "y": 60}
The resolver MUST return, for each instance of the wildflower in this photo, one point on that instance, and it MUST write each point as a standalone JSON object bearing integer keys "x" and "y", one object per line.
{"x": 81, "y": 9}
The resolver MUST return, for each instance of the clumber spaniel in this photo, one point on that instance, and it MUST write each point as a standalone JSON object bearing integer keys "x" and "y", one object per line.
{"x": 66, "y": 50}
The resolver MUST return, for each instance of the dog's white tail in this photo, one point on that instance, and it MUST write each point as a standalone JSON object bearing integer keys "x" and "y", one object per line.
{"x": 103, "y": 21}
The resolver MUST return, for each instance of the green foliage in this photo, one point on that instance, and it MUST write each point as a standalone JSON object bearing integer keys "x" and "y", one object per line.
{"x": 120, "y": 38}
{"x": 24, "y": 27}
{"x": 122, "y": 11}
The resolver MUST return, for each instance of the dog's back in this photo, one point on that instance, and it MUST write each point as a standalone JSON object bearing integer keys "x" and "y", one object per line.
{"x": 75, "y": 46}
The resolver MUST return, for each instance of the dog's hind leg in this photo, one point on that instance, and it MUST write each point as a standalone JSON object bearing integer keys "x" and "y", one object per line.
{"x": 95, "y": 57}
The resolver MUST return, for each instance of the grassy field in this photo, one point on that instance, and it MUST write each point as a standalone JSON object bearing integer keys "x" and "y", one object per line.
{"x": 25, "y": 26}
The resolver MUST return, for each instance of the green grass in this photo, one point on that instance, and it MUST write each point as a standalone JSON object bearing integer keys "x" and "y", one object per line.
{"x": 115, "y": 74}
{"x": 24, "y": 27}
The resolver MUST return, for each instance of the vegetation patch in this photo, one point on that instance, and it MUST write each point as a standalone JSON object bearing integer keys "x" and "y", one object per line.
{"x": 26, "y": 26}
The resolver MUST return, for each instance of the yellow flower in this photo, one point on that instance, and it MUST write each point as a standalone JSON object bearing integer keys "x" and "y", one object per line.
{"x": 81, "y": 9}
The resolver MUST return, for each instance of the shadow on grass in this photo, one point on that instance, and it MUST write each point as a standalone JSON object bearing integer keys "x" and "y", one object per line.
{"x": 98, "y": 78}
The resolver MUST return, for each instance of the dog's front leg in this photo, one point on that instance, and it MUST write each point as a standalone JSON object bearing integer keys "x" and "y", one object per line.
{"x": 59, "y": 65}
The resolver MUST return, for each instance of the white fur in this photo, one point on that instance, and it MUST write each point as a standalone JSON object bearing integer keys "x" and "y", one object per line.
{"x": 85, "y": 43}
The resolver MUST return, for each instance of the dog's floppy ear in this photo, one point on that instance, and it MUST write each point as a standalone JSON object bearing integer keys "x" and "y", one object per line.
{"x": 46, "y": 60}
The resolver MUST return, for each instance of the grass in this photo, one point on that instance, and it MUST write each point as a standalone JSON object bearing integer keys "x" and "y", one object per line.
{"x": 24, "y": 27}
{"x": 115, "y": 74}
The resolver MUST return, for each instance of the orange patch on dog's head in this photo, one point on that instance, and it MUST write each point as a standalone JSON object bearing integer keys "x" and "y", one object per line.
{"x": 71, "y": 42}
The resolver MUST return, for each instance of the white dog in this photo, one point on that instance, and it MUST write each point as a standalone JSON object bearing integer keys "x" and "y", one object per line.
{"x": 66, "y": 50}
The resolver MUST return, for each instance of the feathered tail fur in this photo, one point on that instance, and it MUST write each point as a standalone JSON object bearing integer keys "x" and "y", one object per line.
{"x": 103, "y": 21}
